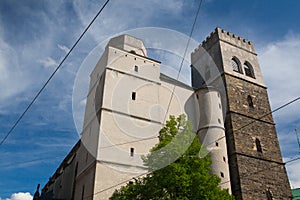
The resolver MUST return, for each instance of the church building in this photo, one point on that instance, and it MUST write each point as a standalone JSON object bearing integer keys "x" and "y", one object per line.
{"x": 129, "y": 101}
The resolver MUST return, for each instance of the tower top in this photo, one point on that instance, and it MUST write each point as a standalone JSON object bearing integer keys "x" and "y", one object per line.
{"x": 226, "y": 36}
{"x": 129, "y": 43}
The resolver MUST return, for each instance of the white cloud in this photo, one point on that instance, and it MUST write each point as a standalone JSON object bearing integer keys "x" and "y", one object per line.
{"x": 293, "y": 172}
{"x": 20, "y": 196}
{"x": 280, "y": 66}
{"x": 20, "y": 74}
{"x": 12, "y": 79}
{"x": 65, "y": 102}
{"x": 126, "y": 14}
{"x": 48, "y": 62}
{"x": 63, "y": 48}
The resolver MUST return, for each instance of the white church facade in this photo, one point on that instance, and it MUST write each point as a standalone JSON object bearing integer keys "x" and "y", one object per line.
{"x": 129, "y": 101}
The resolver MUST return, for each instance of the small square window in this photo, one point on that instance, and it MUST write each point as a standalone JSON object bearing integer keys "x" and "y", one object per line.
{"x": 133, "y": 95}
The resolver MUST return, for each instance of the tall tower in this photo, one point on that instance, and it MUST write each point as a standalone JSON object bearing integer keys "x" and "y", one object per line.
{"x": 256, "y": 167}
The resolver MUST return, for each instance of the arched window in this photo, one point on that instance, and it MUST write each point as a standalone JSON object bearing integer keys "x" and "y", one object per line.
{"x": 236, "y": 65}
{"x": 250, "y": 101}
{"x": 258, "y": 145}
{"x": 248, "y": 70}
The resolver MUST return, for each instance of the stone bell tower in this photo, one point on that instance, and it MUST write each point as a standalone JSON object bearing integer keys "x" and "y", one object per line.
{"x": 255, "y": 163}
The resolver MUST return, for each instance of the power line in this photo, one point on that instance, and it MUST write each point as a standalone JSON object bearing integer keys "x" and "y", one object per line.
{"x": 57, "y": 68}
{"x": 266, "y": 169}
{"x": 279, "y": 108}
{"x": 150, "y": 138}
{"x": 183, "y": 58}
{"x": 253, "y": 121}
{"x": 275, "y": 110}
{"x": 181, "y": 65}
{"x": 120, "y": 144}
{"x": 108, "y": 188}
{"x": 28, "y": 161}
{"x": 244, "y": 175}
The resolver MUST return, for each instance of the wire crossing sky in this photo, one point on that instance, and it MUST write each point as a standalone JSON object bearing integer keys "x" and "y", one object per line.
{"x": 36, "y": 35}
{"x": 51, "y": 76}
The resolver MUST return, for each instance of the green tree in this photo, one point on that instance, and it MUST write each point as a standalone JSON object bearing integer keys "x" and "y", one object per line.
{"x": 176, "y": 169}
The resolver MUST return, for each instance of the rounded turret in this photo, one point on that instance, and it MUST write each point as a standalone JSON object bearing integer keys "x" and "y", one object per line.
{"x": 211, "y": 132}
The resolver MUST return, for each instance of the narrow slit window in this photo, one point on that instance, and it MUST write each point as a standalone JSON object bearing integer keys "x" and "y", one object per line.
{"x": 269, "y": 195}
{"x": 217, "y": 144}
{"x": 131, "y": 152}
{"x": 133, "y": 95}
{"x": 258, "y": 145}
{"x": 82, "y": 193}
{"x": 250, "y": 101}
{"x": 224, "y": 159}
{"x": 136, "y": 68}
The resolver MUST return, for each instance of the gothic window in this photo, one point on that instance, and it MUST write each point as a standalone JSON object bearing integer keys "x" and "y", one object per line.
{"x": 258, "y": 145}
{"x": 235, "y": 65}
{"x": 248, "y": 70}
{"x": 250, "y": 101}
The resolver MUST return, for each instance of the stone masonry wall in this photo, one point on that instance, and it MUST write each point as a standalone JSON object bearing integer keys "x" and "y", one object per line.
{"x": 253, "y": 172}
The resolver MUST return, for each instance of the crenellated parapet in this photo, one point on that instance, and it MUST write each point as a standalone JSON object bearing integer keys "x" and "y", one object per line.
{"x": 228, "y": 37}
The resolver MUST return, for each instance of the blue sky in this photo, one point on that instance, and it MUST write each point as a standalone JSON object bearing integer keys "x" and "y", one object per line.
{"x": 36, "y": 34}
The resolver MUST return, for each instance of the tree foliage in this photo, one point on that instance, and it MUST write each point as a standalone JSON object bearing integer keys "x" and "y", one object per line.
{"x": 176, "y": 170}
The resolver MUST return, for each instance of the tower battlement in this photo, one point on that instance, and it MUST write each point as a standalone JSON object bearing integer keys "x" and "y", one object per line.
{"x": 228, "y": 37}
